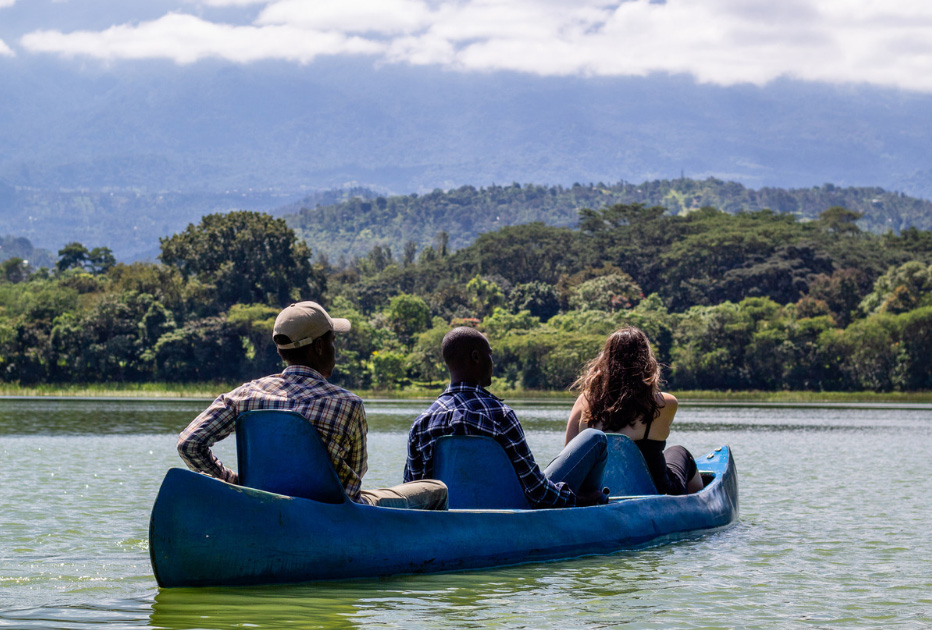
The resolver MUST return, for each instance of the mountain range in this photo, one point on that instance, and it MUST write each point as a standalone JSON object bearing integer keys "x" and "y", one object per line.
{"x": 342, "y": 224}
{"x": 121, "y": 154}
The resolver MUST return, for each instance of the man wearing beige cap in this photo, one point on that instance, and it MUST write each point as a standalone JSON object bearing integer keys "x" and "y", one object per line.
{"x": 304, "y": 336}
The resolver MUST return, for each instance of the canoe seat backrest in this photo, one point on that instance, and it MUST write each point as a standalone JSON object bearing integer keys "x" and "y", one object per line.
{"x": 477, "y": 472}
{"x": 281, "y": 452}
{"x": 626, "y": 472}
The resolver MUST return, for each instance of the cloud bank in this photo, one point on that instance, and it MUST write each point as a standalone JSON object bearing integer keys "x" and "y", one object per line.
{"x": 186, "y": 39}
{"x": 723, "y": 42}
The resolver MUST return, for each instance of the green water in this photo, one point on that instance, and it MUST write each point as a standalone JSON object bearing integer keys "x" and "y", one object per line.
{"x": 834, "y": 532}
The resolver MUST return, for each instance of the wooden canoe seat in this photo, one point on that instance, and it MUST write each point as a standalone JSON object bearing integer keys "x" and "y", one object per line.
{"x": 478, "y": 473}
{"x": 281, "y": 452}
{"x": 626, "y": 472}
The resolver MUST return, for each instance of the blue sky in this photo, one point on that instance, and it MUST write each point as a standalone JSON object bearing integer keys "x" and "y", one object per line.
{"x": 883, "y": 43}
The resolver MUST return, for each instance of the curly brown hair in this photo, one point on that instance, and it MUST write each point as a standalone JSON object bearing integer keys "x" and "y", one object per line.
{"x": 621, "y": 383}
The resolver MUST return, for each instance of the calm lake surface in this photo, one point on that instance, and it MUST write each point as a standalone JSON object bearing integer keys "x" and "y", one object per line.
{"x": 835, "y": 530}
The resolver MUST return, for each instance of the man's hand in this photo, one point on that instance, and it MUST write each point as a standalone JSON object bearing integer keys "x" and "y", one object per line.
{"x": 595, "y": 497}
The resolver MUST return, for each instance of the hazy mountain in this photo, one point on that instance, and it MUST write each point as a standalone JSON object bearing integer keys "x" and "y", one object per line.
{"x": 177, "y": 142}
{"x": 210, "y": 127}
{"x": 127, "y": 221}
{"x": 19, "y": 247}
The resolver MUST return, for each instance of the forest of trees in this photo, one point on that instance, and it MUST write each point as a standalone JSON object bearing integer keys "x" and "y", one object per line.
{"x": 350, "y": 221}
{"x": 753, "y": 300}
{"x": 353, "y": 226}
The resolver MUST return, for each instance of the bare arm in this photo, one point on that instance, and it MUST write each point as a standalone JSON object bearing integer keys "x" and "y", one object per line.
{"x": 578, "y": 419}
{"x": 660, "y": 428}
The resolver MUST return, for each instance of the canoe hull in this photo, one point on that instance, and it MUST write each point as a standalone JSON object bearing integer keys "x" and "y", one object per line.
{"x": 205, "y": 532}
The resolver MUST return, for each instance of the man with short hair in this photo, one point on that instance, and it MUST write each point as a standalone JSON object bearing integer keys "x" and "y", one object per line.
{"x": 304, "y": 336}
{"x": 574, "y": 478}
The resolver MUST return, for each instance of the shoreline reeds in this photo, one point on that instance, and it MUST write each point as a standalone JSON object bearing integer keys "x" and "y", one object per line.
{"x": 430, "y": 390}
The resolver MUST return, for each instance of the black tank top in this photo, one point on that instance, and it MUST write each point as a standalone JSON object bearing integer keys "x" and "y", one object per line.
{"x": 652, "y": 450}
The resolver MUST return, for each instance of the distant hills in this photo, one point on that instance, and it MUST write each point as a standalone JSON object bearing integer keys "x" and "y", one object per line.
{"x": 349, "y": 222}
{"x": 123, "y": 153}
{"x": 129, "y": 222}
{"x": 19, "y": 247}
{"x": 213, "y": 126}
{"x": 353, "y": 227}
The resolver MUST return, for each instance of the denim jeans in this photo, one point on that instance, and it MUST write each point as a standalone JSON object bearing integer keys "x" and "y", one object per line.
{"x": 581, "y": 463}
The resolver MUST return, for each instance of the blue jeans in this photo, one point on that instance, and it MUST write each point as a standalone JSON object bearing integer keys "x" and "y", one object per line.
{"x": 581, "y": 463}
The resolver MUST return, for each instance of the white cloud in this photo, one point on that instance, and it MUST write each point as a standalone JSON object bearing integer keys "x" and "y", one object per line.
{"x": 231, "y": 3}
{"x": 7, "y": 3}
{"x": 5, "y": 50}
{"x": 350, "y": 16}
{"x": 186, "y": 39}
{"x": 725, "y": 42}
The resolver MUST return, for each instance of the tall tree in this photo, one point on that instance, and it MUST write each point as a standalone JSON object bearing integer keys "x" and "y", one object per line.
{"x": 14, "y": 270}
{"x": 407, "y": 315}
{"x": 250, "y": 257}
{"x": 840, "y": 220}
{"x": 71, "y": 256}
{"x": 522, "y": 253}
{"x": 100, "y": 260}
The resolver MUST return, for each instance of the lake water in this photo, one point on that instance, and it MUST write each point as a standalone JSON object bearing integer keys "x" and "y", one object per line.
{"x": 835, "y": 530}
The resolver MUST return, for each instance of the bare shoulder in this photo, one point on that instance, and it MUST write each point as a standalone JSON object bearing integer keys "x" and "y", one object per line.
{"x": 581, "y": 405}
{"x": 667, "y": 401}
{"x": 665, "y": 418}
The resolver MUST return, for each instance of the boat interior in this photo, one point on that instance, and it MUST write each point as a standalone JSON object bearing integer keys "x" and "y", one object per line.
{"x": 280, "y": 452}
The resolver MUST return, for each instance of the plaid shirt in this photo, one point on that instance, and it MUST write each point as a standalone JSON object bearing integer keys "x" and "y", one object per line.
{"x": 464, "y": 409}
{"x": 338, "y": 416}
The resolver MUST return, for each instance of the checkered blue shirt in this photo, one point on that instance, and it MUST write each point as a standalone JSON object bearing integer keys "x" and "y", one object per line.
{"x": 464, "y": 409}
{"x": 338, "y": 416}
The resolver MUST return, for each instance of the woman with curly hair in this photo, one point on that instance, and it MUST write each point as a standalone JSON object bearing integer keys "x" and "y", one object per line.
{"x": 620, "y": 393}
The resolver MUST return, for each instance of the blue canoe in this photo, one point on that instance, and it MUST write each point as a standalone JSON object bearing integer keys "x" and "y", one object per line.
{"x": 206, "y": 532}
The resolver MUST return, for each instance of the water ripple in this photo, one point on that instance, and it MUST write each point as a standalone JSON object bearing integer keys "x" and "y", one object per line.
{"x": 833, "y": 534}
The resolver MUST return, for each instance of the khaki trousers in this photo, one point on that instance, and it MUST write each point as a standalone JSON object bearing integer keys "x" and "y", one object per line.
{"x": 426, "y": 494}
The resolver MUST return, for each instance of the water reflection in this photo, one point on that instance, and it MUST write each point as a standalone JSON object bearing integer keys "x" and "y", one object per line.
{"x": 831, "y": 534}
{"x": 255, "y": 607}
{"x": 100, "y": 416}
{"x": 538, "y": 595}
{"x": 83, "y": 416}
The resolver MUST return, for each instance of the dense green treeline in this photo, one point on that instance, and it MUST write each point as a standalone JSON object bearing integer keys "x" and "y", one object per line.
{"x": 353, "y": 226}
{"x": 754, "y": 300}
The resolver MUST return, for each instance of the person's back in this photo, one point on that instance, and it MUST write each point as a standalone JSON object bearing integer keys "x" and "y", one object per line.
{"x": 337, "y": 415}
{"x": 620, "y": 394}
{"x": 467, "y": 408}
{"x": 304, "y": 336}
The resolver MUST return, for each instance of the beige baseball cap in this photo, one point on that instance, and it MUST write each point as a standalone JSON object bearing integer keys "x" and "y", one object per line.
{"x": 303, "y": 322}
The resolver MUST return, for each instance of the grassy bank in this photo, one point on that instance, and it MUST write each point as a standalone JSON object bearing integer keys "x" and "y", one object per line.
{"x": 804, "y": 397}
{"x": 428, "y": 391}
{"x": 120, "y": 390}
{"x": 710, "y": 396}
